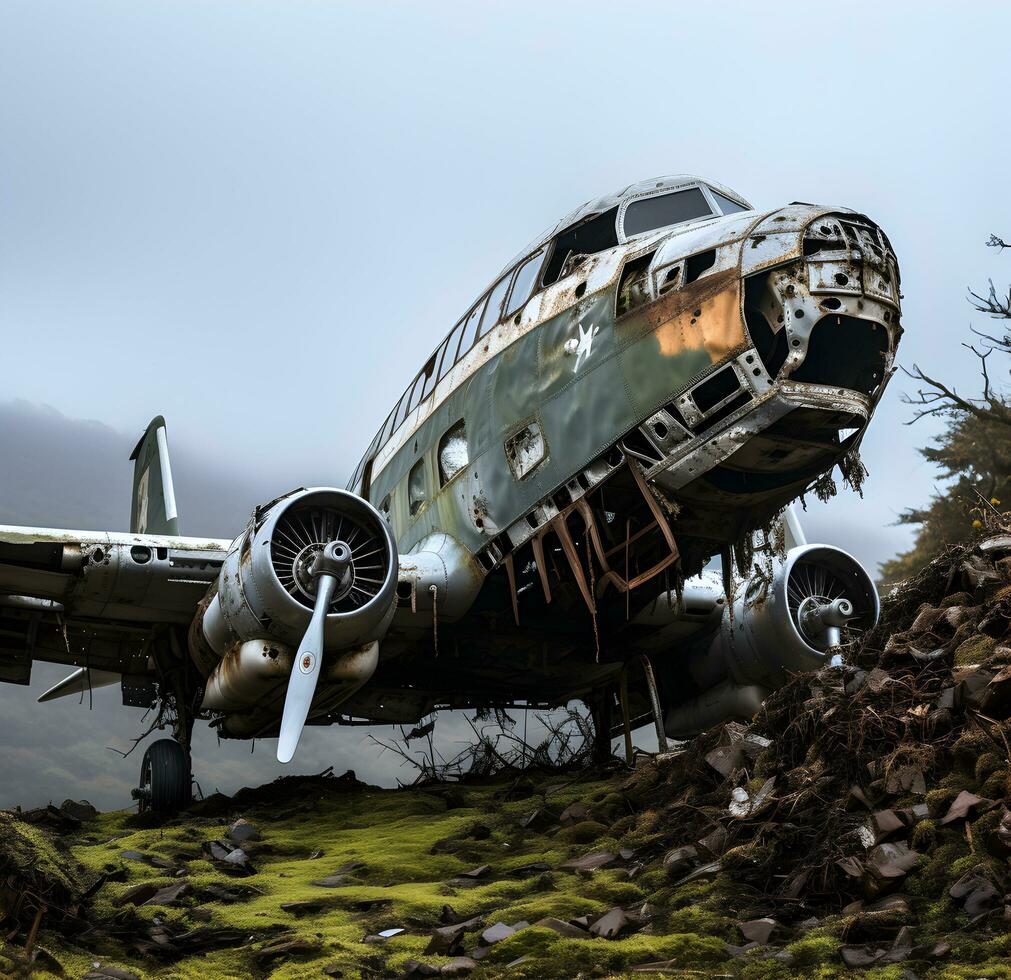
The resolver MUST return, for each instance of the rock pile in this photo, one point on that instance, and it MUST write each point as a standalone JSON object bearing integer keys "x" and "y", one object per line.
{"x": 868, "y": 802}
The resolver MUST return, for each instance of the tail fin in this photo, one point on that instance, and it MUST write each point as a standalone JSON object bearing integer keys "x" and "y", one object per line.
{"x": 153, "y": 510}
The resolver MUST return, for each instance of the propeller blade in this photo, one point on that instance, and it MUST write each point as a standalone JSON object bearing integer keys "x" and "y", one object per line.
{"x": 331, "y": 566}
{"x": 304, "y": 673}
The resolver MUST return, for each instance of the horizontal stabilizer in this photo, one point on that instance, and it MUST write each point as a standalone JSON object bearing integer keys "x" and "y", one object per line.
{"x": 153, "y": 510}
{"x": 81, "y": 680}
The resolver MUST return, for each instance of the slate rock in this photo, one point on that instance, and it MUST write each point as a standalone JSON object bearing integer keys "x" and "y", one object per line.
{"x": 414, "y": 969}
{"x": 171, "y": 894}
{"x": 481, "y": 871}
{"x": 613, "y": 924}
{"x": 228, "y": 893}
{"x": 299, "y": 909}
{"x": 715, "y": 843}
{"x": 589, "y": 862}
{"x": 977, "y": 894}
{"x": 539, "y": 820}
{"x": 459, "y": 966}
{"x": 566, "y": 929}
{"x": 217, "y": 850}
{"x": 285, "y": 946}
{"x": 996, "y": 699}
{"x": 80, "y": 810}
{"x": 242, "y": 830}
{"x": 966, "y": 805}
{"x": 100, "y": 972}
{"x": 447, "y": 938}
{"x": 880, "y": 826}
{"x": 726, "y": 759}
{"x": 137, "y": 894}
{"x": 906, "y": 779}
{"x": 892, "y": 860}
{"x": 574, "y": 813}
{"x": 759, "y": 930}
{"x": 332, "y": 881}
{"x": 496, "y": 933}
{"x": 679, "y": 861}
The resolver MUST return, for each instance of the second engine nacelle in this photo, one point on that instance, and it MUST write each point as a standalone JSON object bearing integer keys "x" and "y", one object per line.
{"x": 267, "y": 586}
{"x": 818, "y": 596}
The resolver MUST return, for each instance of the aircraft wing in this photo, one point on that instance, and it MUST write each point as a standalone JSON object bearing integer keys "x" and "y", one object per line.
{"x": 93, "y": 598}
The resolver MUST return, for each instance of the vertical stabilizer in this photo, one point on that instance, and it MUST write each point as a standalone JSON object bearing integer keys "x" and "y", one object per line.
{"x": 153, "y": 510}
{"x": 795, "y": 536}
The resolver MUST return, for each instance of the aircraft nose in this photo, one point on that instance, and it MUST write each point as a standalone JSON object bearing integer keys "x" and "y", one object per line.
{"x": 831, "y": 318}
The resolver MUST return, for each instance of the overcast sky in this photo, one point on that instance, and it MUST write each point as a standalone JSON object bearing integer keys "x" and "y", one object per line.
{"x": 258, "y": 218}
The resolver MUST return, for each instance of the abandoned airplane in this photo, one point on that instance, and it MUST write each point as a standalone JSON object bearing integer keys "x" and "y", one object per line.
{"x": 634, "y": 402}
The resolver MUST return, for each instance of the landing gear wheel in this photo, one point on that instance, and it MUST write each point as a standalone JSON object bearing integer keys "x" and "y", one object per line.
{"x": 164, "y": 778}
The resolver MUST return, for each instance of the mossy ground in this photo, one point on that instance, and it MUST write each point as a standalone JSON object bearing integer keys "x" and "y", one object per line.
{"x": 413, "y": 848}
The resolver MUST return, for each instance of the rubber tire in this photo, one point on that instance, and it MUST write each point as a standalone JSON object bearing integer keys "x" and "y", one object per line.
{"x": 170, "y": 776}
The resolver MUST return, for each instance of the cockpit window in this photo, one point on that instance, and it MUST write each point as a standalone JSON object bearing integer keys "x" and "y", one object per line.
{"x": 726, "y": 205}
{"x": 650, "y": 213}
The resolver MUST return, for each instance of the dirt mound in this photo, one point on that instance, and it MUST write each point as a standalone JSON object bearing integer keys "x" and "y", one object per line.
{"x": 876, "y": 793}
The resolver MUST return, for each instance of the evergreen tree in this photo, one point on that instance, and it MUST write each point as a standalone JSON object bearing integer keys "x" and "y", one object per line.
{"x": 974, "y": 451}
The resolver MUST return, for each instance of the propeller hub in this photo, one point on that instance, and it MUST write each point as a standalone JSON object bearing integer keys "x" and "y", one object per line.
{"x": 319, "y": 558}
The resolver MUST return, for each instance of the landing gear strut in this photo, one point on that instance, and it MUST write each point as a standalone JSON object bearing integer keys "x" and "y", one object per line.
{"x": 166, "y": 774}
{"x": 601, "y": 708}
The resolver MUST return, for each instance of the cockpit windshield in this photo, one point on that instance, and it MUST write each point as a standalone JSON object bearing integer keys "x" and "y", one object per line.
{"x": 663, "y": 210}
{"x": 649, "y": 213}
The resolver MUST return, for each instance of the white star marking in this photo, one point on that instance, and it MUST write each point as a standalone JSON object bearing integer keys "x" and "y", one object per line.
{"x": 585, "y": 344}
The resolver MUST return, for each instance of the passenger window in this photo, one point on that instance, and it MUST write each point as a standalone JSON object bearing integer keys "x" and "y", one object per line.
{"x": 416, "y": 491}
{"x": 385, "y": 506}
{"x": 493, "y": 312}
{"x": 449, "y": 353}
{"x": 651, "y": 213}
{"x": 430, "y": 376}
{"x": 353, "y": 483}
{"x": 526, "y": 276}
{"x": 453, "y": 455}
{"x": 470, "y": 328}
{"x": 398, "y": 415}
{"x": 387, "y": 429}
{"x": 419, "y": 387}
{"x": 405, "y": 402}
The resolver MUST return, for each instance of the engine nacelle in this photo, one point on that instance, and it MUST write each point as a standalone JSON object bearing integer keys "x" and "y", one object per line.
{"x": 817, "y": 596}
{"x": 267, "y": 588}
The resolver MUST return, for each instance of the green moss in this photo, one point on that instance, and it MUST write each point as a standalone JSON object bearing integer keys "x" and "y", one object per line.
{"x": 969, "y": 746}
{"x": 997, "y": 784}
{"x": 924, "y": 835}
{"x": 938, "y": 801}
{"x": 552, "y": 956}
{"x": 584, "y": 832}
{"x": 814, "y": 950}
{"x": 974, "y": 650}
{"x": 986, "y": 765}
{"x": 936, "y": 872}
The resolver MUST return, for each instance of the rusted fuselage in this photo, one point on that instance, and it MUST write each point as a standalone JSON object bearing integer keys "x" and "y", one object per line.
{"x": 649, "y": 408}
